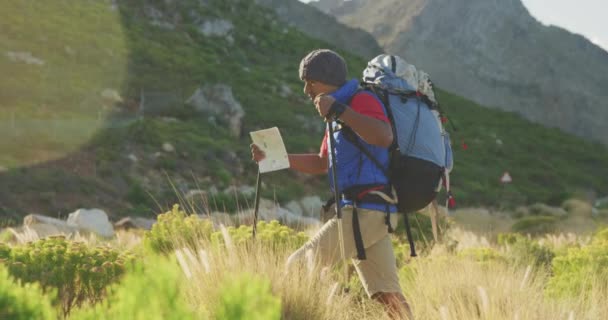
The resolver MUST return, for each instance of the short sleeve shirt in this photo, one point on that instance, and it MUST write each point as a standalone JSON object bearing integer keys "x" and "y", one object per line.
{"x": 365, "y": 104}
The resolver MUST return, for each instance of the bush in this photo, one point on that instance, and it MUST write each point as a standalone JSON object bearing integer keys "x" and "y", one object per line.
{"x": 247, "y": 297}
{"x": 151, "y": 291}
{"x": 601, "y": 237}
{"x": 578, "y": 271}
{"x": 177, "y": 227}
{"x": 79, "y": 273}
{"x": 540, "y": 209}
{"x": 272, "y": 234}
{"x": 576, "y": 207}
{"x": 23, "y": 302}
{"x": 535, "y": 225}
{"x": 484, "y": 255}
{"x": 523, "y": 251}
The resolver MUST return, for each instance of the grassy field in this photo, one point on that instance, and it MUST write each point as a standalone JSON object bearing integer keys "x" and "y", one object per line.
{"x": 186, "y": 268}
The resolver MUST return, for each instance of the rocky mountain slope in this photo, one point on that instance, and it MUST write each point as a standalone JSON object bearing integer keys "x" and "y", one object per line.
{"x": 131, "y": 106}
{"x": 495, "y": 53}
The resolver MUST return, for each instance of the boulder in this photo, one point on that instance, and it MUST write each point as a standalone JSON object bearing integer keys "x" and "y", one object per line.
{"x": 219, "y": 101}
{"x": 311, "y": 205}
{"x": 218, "y": 28}
{"x": 37, "y": 226}
{"x": 127, "y": 223}
{"x": 25, "y": 57}
{"x": 93, "y": 220}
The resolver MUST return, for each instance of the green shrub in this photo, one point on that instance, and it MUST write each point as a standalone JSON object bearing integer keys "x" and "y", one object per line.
{"x": 535, "y": 225}
{"x": 177, "y": 227}
{"x": 149, "y": 291}
{"x": 79, "y": 273}
{"x": 23, "y": 302}
{"x": 576, "y": 272}
{"x": 576, "y": 207}
{"x": 600, "y": 238}
{"x": 540, "y": 209}
{"x": 247, "y": 297}
{"x": 484, "y": 255}
{"x": 272, "y": 234}
{"x": 523, "y": 251}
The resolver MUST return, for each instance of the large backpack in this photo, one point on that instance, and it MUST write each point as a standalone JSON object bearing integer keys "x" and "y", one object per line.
{"x": 421, "y": 154}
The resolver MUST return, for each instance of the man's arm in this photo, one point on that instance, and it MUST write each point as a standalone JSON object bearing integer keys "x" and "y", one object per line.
{"x": 371, "y": 130}
{"x": 308, "y": 163}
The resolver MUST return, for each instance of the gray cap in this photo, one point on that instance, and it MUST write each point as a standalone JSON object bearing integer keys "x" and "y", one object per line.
{"x": 325, "y": 66}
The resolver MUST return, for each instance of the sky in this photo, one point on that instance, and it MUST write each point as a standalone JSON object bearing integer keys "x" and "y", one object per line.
{"x": 585, "y": 17}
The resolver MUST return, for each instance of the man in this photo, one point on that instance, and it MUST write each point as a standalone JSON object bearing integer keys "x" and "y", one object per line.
{"x": 358, "y": 118}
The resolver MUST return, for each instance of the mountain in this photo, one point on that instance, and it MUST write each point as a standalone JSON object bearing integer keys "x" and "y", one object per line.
{"x": 131, "y": 106}
{"x": 318, "y": 25}
{"x": 494, "y": 53}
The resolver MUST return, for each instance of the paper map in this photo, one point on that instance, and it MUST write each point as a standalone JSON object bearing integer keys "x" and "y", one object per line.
{"x": 270, "y": 141}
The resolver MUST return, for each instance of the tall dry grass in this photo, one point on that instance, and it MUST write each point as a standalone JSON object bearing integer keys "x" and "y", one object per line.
{"x": 441, "y": 285}
{"x": 307, "y": 291}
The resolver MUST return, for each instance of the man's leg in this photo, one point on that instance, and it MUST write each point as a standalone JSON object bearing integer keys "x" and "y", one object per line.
{"x": 378, "y": 273}
{"x": 395, "y": 304}
{"x": 325, "y": 244}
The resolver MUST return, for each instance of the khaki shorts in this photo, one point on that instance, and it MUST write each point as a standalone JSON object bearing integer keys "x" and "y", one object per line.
{"x": 378, "y": 273}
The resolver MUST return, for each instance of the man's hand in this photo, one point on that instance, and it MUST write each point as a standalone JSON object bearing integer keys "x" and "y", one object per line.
{"x": 323, "y": 104}
{"x": 256, "y": 153}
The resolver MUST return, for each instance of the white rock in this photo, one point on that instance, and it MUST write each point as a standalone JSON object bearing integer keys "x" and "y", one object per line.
{"x": 195, "y": 194}
{"x": 218, "y": 27}
{"x": 285, "y": 91}
{"x": 111, "y": 95}
{"x": 132, "y": 157}
{"x": 219, "y": 101}
{"x": 94, "y": 220}
{"x": 25, "y": 57}
{"x": 294, "y": 206}
{"x": 167, "y": 147}
{"x": 311, "y": 205}
{"x": 32, "y": 219}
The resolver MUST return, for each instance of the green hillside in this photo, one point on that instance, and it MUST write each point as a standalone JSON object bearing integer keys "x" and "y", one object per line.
{"x": 66, "y": 146}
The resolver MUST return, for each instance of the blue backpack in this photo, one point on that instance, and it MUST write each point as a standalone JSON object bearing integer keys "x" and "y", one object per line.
{"x": 421, "y": 154}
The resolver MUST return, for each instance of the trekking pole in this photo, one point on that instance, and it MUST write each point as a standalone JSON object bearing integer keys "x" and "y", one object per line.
{"x": 257, "y": 202}
{"x": 332, "y": 143}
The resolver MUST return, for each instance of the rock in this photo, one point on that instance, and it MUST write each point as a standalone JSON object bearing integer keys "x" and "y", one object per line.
{"x": 25, "y": 57}
{"x": 134, "y": 223}
{"x": 311, "y": 205}
{"x": 218, "y": 27}
{"x": 167, "y": 147}
{"x": 37, "y": 226}
{"x": 294, "y": 206}
{"x": 195, "y": 194}
{"x": 93, "y": 220}
{"x": 218, "y": 218}
{"x": 132, "y": 157}
{"x": 285, "y": 91}
{"x": 219, "y": 101}
{"x": 69, "y": 51}
{"x": 111, "y": 96}
{"x": 269, "y": 210}
{"x": 157, "y": 18}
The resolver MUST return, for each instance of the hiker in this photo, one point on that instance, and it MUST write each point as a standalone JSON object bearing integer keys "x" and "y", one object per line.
{"x": 367, "y": 218}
